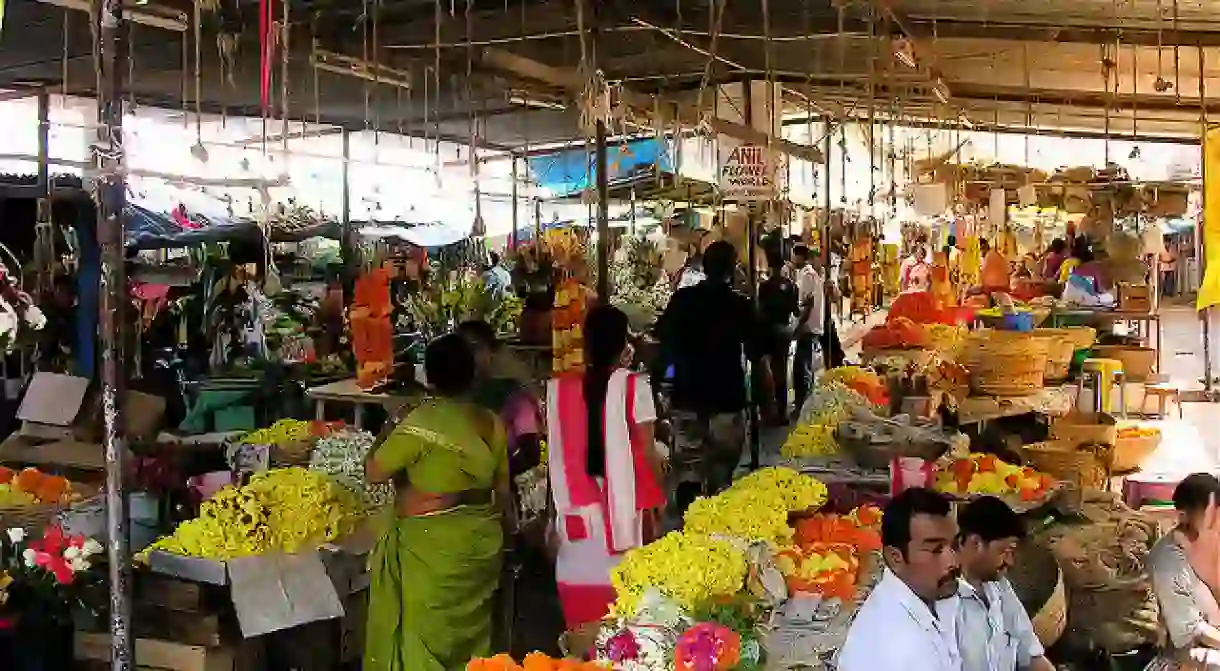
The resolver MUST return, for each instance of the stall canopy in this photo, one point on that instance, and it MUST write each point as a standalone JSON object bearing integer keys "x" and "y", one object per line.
{"x": 574, "y": 170}
{"x": 430, "y": 235}
{"x": 147, "y": 230}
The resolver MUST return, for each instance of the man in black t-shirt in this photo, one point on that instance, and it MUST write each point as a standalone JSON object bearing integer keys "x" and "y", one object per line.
{"x": 706, "y": 332}
{"x": 780, "y": 305}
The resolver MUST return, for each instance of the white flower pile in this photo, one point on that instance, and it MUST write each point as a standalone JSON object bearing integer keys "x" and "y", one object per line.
{"x": 341, "y": 455}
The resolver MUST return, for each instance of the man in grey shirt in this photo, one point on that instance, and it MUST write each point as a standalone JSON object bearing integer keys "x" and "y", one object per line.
{"x": 994, "y": 633}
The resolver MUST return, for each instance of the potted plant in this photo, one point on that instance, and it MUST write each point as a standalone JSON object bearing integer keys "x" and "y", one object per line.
{"x": 45, "y": 583}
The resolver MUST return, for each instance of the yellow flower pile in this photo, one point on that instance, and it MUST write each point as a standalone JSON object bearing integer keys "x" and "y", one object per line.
{"x": 832, "y": 403}
{"x": 283, "y": 431}
{"x": 286, "y": 509}
{"x": 691, "y": 569}
{"x": 851, "y": 376}
{"x": 810, "y": 440}
{"x": 750, "y": 515}
{"x": 756, "y": 507}
{"x": 799, "y": 492}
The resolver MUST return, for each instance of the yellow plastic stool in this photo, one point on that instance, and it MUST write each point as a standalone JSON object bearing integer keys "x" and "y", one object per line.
{"x": 1109, "y": 373}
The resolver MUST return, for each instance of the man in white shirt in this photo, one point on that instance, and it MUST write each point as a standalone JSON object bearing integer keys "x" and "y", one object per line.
{"x": 994, "y": 632}
{"x": 909, "y": 620}
{"x": 811, "y": 294}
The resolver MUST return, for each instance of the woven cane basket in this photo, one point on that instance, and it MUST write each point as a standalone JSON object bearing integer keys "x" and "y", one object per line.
{"x": 1086, "y": 466}
{"x": 1006, "y": 363}
{"x": 1060, "y": 347}
{"x": 35, "y": 518}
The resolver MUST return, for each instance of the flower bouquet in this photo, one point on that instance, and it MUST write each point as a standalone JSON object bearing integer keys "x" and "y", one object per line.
{"x": 43, "y": 582}
{"x": 17, "y": 311}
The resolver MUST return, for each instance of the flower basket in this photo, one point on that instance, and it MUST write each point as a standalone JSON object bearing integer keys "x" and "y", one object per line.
{"x": 36, "y": 517}
{"x": 1060, "y": 347}
{"x": 293, "y": 453}
{"x": 1086, "y": 466}
{"x": 1131, "y": 451}
{"x": 1006, "y": 363}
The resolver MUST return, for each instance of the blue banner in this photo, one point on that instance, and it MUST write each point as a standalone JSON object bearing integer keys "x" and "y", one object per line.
{"x": 573, "y": 170}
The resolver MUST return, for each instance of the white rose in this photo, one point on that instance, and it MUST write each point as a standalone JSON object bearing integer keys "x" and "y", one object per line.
{"x": 72, "y": 552}
{"x": 92, "y": 547}
{"x": 35, "y": 318}
{"x": 16, "y": 535}
{"x": 28, "y": 558}
{"x": 79, "y": 564}
{"x": 8, "y": 319}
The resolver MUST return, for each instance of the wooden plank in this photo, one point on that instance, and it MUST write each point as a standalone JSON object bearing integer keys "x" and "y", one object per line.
{"x": 647, "y": 105}
{"x": 67, "y": 453}
{"x": 157, "y": 654}
{"x": 170, "y": 593}
{"x": 177, "y": 626}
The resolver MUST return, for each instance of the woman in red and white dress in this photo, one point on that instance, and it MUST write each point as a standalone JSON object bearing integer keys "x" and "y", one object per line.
{"x": 604, "y": 468}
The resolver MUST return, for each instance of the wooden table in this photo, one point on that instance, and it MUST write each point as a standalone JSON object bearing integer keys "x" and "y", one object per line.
{"x": 347, "y": 391}
{"x": 1152, "y": 320}
{"x": 1057, "y": 400}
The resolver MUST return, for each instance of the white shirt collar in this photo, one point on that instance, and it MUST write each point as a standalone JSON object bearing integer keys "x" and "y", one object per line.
{"x": 946, "y": 609}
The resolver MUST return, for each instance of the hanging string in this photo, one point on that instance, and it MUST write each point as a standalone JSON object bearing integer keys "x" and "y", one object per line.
{"x": 377, "y": 72}
{"x": 285, "y": 29}
{"x": 317, "y": 92}
{"x": 264, "y": 67}
{"x": 186, "y": 77}
{"x": 364, "y": 48}
{"x": 63, "y": 77}
{"x": 470, "y": 115}
{"x": 715, "y": 20}
{"x": 198, "y": 73}
{"x": 436, "y": 91}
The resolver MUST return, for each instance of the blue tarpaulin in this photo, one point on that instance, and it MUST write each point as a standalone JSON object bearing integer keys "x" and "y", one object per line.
{"x": 573, "y": 170}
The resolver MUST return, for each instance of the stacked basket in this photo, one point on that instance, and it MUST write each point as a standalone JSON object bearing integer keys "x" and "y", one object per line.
{"x": 1006, "y": 363}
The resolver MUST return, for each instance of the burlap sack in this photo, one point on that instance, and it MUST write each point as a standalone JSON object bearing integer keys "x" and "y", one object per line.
{"x": 1110, "y": 598}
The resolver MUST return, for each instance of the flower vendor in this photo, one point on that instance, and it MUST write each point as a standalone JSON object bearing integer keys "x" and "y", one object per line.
{"x": 1183, "y": 564}
{"x": 605, "y": 473}
{"x": 911, "y": 606}
{"x": 993, "y": 629}
{"x": 437, "y": 566}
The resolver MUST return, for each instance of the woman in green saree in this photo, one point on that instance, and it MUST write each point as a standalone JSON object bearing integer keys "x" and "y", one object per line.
{"x": 436, "y": 568}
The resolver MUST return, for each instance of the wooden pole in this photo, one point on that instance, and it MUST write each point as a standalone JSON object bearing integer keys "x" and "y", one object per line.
{"x": 110, "y": 190}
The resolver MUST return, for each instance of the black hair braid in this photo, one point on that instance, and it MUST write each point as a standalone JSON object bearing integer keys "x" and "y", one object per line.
{"x": 605, "y": 338}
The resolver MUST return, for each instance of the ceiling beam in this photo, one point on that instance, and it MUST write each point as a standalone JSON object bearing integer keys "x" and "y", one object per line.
{"x": 1033, "y": 32}
{"x": 647, "y": 105}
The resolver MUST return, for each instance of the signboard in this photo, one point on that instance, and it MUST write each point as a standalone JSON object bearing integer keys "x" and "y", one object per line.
{"x": 748, "y": 173}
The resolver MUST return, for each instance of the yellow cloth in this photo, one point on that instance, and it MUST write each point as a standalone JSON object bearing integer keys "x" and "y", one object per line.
{"x": 1065, "y": 269}
{"x": 1209, "y": 289}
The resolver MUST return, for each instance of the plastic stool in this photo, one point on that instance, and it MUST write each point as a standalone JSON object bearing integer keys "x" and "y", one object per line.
{"x": 1163, "y": 391}
{"x": 1108, "y": 372}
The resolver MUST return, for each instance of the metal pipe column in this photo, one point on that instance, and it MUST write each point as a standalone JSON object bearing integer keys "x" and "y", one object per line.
{"x": 512, "y": 239}
{"x": 348, "y": 275}
{"x": 110, "y": 190}
{"x": 603, "y": 218}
